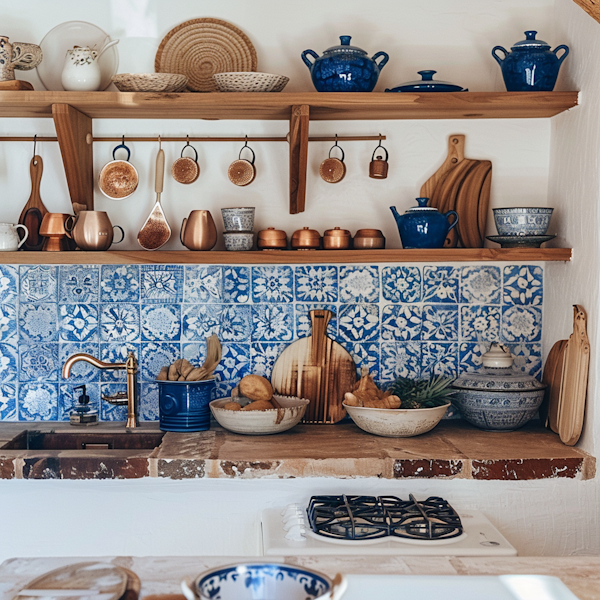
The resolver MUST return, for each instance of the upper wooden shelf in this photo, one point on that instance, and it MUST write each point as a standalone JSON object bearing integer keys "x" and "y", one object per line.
{"x": 277, "y": 106}
{"x": 115, "y": 257}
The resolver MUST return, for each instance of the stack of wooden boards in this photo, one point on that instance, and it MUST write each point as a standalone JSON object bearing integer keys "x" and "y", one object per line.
{"x": 462, "y": 185}
{"x": 566, "y": 374}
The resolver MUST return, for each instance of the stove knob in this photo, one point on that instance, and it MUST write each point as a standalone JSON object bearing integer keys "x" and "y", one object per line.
{"x": 290, "y": 509}
{"x": 293, "y": 522}
{"x": 296, "y": 534}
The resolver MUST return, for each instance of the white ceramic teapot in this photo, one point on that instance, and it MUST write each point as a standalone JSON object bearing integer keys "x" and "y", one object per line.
{"x": 9, "y": 238}
{"x": 81, "y": 71}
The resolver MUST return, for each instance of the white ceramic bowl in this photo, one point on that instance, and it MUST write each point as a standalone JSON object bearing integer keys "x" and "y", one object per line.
{"x": 260, "y": 422}
{"x": 238, "y": 241}
{"x": 522, "y": 221}
{"x": 396, "y": 422}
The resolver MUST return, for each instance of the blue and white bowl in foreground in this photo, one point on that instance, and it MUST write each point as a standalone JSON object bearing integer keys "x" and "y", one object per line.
{"x": 522, "y": 220}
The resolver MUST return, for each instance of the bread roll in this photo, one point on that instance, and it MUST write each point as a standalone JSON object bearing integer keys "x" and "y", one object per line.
{"x": 256, "y": 387}
{"x": 258, "y": 405}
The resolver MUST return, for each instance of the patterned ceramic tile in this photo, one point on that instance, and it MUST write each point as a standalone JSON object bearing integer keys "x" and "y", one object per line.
{"x": 359, "y": 322}
{"x": 161, "y": 322}
{"x": 81, "y": 372}
{"x": 359, "y": 284}
{"x": 521, "y": 324}
{"x": 156, "y": 356}
{"x": 8, "y": 284}
{"x": 235, "y": 323}
{"x": 272, "y": 284}
{"x": 401, "y": 284}
{"x": 203, "y": 284}
{"x": 38, "y": 402}
{"x": 68, "y": 398}
{"x": 263, "y": 357}
{"x": 523, "y": 285}
{"x": 8, "y": 323}
{"x": 148, "y": 409}
{"x": 480, "y": 323}
{"x": 316, "y": 283}
{"x": 8, "y": 402}
{"x": 480, "y": 285}
{"x": 39, "y": 362}
{"x": 365, "y": 355}
{"x": 120, "y": 322}
{"x": 78, "y": 322}
{"x": 38, "y": 322}
{"x": 117, "y": 352}
{"x": 236, "y": 284}
{"x": 528, "y": 358}
{"x": 195, "y": 353}
{"x": 440, "y": 284}
{"x": 469, "y": 355}
{"x": 162, "y": 284}
{"x": 235, "y": 363}
{"x": 79, "y": 283}
{"x": 400, "y": 359}
{"x": 120, "y": 283}
{"x": 8, "y": 363}
{"x": 272, "y": 323}
{"x": 439, "y": 359}
{"x": 223, "y": 389}
{"x": 440, "y": 322}
{"x": 38, "y": 283}
{"x": 110, "y": 412}
{"x": 199, "y": 321}
{"x": 303, "y": 322}
{"x": 401, "y": 322}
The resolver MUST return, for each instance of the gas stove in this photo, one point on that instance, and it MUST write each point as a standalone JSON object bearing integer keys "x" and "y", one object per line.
{"x": 380, "y": 525}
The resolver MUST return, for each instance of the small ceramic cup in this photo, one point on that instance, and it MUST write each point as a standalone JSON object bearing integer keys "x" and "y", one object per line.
{"x": 238, "y": 241}
{"x": 238, "y": 219}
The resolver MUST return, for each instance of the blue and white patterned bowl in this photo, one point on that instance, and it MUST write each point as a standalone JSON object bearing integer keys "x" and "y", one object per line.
{"x": 522, "y": 221}
{"x": 238, "y": 219}
{"x": 261, "y": 581}
{"x": 238, "y": 241}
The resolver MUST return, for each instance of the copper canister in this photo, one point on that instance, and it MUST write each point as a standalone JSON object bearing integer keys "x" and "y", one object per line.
{"x": 369, "y": 239}
{"x": 272, "y": 239}
{"x": 336, "y": 239}
{"x": 306, "y": 239}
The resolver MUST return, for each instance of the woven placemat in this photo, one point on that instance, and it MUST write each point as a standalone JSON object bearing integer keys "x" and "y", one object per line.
{"x": 199, "y": 48}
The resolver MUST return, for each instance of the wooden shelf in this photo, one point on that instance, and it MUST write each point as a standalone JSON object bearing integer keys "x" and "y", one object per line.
{"x": 113, "y": 257}
{"x": 269, "y": 106}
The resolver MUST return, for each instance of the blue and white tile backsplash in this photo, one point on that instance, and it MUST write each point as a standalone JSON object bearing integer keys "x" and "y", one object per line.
{"x": 397, "y": 320}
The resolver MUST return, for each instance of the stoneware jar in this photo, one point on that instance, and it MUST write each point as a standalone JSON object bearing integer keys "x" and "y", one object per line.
{"x": 344, "y": 68}
{"x": 423, "y": 226}
{"x": 9, "y": 238}
{"x": 531, "y": 66}
{"x": 498, "y": 397}
{"x": 17, "y": 55}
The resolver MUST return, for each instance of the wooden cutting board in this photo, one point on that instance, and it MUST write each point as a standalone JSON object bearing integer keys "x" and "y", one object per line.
{"x": 456, "y": 154}
{"x": 34, "y": 211}
{"x": 574, "y": 382}
{"x": 467, "y": 205}
{"x": 552, "y": 378}
{"x": 316, "y": 368}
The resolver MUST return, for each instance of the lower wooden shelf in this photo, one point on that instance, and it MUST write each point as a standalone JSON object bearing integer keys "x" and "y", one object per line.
{"x": 112, "y": 257}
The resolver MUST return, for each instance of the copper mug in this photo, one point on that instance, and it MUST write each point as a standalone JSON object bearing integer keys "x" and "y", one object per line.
{"x": 198, "y": 231}
{"x": 378, "y": 168}
{"x": 52, "y": 227}
{"x": 92, "y": 230}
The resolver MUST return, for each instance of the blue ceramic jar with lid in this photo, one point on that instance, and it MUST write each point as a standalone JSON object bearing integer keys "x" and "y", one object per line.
{"x": 344, "y": 68}
{"x": 531, "y": 66}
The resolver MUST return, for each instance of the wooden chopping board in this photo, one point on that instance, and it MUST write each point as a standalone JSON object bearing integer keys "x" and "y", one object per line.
{"x": 574, "y": 382}
{"x": 456, "y": 154}
{"x": 316, "y": 368}
{"x": 552, "y": 378}
{"x": 34, "y": 211}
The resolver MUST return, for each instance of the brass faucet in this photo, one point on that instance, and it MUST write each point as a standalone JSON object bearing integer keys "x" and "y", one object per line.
{"x": 120, "y": 399}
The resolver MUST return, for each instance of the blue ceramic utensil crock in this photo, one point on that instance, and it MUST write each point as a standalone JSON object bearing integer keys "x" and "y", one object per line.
{"x": 531, "y": 66}
{"x": 344, "y": 68}
{"x": 427, "y": 84}
{"x": 183, "y": 405}
{"x": 423, "y": 226}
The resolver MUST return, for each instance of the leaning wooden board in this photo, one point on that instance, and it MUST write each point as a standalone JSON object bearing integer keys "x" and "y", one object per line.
{"x": 316, "y": 368}
{"x": 552, "y": 377}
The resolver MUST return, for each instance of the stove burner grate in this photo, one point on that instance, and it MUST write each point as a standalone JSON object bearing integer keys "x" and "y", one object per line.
{"x": 371, "y": 517}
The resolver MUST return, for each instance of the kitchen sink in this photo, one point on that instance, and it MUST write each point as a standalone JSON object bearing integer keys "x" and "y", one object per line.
{"x": 42, "y": 440}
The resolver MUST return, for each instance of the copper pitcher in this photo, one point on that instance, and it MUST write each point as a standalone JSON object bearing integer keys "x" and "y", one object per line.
{"x": 92, "y": 230}
{"x": 198, "y": 231}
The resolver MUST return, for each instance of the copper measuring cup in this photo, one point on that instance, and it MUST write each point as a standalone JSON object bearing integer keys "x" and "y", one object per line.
{"x": 241, "y": 171}
{"x": 118, "y": 178}
{"x": 333, "y": 170}
{"x": 186, "y": 169}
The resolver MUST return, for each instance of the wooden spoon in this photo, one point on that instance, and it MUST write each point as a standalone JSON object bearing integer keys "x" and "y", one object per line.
{"x": 34, "y": 211}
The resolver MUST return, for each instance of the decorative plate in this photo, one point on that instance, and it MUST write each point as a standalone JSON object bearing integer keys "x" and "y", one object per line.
{"x": 520, "y": 241}
{"x": 199, "y": 48}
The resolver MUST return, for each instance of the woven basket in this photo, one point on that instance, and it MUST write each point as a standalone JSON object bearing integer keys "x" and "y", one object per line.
{"x": 150, "y": 82}
{"x": 250, "y": 82}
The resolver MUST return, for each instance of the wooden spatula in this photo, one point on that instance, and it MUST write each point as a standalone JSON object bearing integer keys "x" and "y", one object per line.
{"x": 34, "y": 210}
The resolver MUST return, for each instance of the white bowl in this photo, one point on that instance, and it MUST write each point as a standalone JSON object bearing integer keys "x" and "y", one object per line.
{"x": 397, "y": 422}
{"x": 260, "y": 422}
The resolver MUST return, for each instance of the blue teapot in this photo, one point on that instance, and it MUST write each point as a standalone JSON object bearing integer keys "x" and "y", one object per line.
{"x": 344, "y": 68}
{"x": 531, "y": 66}
{"x": 423, "y": 226}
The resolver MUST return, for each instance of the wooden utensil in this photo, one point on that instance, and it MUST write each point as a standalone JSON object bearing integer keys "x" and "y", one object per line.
{"x": 156, "y": 231}
{"x": 552, "y": 378}
{"x": 34, "y": 211}
{"x": 573, "y": 387}
{"x": 484, "y": 204}
{"x": 456, "y": 154}
{"x": 316, "y": 368}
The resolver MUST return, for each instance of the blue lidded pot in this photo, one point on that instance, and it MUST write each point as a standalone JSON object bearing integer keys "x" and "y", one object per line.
{"x": 531, "y": 66}
{"x": 183, "y": 405}
{"x": 344, "y": 68}
{"x": 423, "y": 226}
{"x": 427, "y": 84}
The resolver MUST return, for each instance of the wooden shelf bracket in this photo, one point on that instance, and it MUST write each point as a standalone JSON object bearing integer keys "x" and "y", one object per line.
{"x": 299, "y": 121}
{"x": 72, "y": 130}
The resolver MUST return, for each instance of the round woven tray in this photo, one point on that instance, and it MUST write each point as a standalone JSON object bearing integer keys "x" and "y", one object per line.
{"x": 332, "y": 170}
{"x": 199, "y": 48}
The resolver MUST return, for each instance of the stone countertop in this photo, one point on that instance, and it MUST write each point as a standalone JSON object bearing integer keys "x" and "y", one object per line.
{"x": 162, "y": 575}
{"x": 453, "y": 449}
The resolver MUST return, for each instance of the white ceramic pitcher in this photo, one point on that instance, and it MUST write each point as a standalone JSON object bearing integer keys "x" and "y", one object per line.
{"x": 81, "y": 71}
{"x": 9, "y": 238}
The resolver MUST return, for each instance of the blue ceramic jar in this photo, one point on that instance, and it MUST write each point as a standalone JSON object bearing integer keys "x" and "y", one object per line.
{"x": 183, "y": 405}
{"x": 423, "y": 226}
{"x": 531, "y": 66}
{"x": 344, "y": 68}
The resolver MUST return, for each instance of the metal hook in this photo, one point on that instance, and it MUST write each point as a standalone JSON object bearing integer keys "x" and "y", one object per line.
{"x": 123, "y": 140}
{"x": 336, "y": 140}
{"x": 246, "y": 143}
{"x": 379, "y": 145}
{"x": 34, "y": 146}
{"x": 187, "y": 140}
{"x": 159, "y": 144}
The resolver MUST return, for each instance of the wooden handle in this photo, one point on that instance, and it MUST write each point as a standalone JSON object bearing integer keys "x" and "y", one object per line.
{"x": 456, "y": 148}
{"x": 319, "y": 320}
{"x": 36, "y": 168}
{"x": 160, "y": 171}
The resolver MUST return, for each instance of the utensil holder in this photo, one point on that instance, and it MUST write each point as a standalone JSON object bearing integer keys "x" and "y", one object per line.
{"x": 183, "y": 405}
